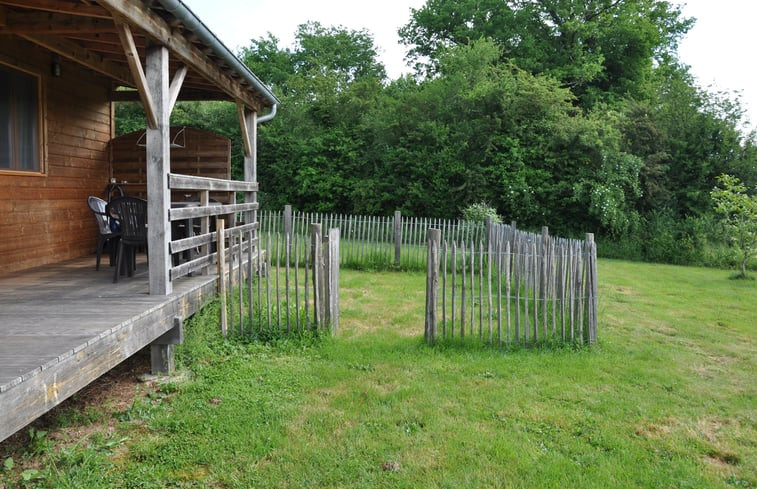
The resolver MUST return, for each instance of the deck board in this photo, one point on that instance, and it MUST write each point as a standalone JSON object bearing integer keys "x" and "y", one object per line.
{"x": 64, "y": 325}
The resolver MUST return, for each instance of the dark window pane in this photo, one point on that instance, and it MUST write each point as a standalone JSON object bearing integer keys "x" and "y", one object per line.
{"x": 19, "y": 121}
{"x": 26, "y": 123}
{"x": 6, "y": 150}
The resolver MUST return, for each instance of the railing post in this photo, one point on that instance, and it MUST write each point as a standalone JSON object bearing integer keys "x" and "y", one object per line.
{"x": 221, "y": 247}
{"x": 397, "y": 237}
{"x": 432, "y": 283}
{"x": 205, "y": 227}
{"x": 317, "y": 261}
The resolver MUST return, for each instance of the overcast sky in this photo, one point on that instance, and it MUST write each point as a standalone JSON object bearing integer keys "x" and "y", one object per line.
{"x": 718, "y": 48}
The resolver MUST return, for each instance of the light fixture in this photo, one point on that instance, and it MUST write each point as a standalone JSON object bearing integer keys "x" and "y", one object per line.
{"x": 55, "y": 68}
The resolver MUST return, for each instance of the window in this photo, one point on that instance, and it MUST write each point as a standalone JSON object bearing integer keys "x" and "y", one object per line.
{"x": 19, "y": 121}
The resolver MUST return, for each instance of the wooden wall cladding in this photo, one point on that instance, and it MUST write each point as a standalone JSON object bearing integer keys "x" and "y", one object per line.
{"x": 44, "y": 218}
{"x": 193, "y": 152}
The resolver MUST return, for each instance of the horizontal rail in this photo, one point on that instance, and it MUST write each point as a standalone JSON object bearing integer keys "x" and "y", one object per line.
{"x": 189, "y": 182}
{"x": 181, "y": 213}
{"x": 184, "y": 244}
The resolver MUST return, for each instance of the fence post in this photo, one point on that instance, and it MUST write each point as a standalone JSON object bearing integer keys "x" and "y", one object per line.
{"x": 317, "y": 260}
{"x": 544, "y": 273}
{"x": 288, "y": 226}
{"x": 333, "y": 279}
{"x": 432, "y": 283}
{"x": 221, "y": 246}
{"x": 591, "y": 288}
{"x": 397, "y": 237}
{"x": 488, "y": 232}
{"x": 325, "y": 280}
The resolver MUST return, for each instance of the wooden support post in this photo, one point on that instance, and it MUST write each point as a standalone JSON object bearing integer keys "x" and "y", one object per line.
{"x": 397, "y": 237}
{"x": 249, "y": 126}
{"x": 221, "y": 247}
{"x": 158, "y": 167}
{"x": 161, "y": 350}
{"x": 432, "y": 283}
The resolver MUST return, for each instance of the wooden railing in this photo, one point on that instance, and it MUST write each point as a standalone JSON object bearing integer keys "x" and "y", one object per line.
{"x": 199, "y": 246}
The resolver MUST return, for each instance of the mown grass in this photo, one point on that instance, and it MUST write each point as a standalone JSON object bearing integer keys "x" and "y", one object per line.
{"x": 668, "y": 398}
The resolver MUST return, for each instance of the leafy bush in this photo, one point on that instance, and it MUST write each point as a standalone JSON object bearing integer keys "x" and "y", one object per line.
{"x": 480, "y": 212}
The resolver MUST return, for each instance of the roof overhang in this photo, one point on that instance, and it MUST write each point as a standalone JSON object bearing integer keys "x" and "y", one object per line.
{"x": 92, "y": 33}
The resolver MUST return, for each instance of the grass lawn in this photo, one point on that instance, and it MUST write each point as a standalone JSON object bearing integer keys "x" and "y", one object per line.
{"x": 667, "y": 399}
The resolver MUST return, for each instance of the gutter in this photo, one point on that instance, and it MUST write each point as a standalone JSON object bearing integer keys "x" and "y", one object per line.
{"x": 194, "y": 24}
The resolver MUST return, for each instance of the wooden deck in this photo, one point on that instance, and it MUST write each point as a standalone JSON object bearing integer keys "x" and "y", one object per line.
{"x": 64, "y": 325}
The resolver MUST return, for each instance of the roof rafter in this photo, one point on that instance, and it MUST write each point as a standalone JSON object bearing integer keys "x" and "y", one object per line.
{"x": 138, "y": 15}
{"x": 76, "y": 53}
{"x": 62, "y": 8}
{"x": 48, "y": 23}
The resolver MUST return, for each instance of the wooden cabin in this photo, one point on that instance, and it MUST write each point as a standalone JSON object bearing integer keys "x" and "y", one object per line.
{"x": 63, "y": 63}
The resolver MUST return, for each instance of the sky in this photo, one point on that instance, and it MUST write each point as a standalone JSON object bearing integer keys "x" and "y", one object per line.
{"x": 717, "y": 48}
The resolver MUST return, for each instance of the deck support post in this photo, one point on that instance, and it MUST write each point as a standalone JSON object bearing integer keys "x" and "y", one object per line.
{"x": 161, "y": 350}
{"x": 249, "y": 125}
{"x": 158, "y": 167}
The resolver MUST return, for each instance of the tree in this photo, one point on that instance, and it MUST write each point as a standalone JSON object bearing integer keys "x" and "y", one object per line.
{"x": 739, "y": 211}
{"x": 601, "y": 49}
{"x": 312, "y": 155}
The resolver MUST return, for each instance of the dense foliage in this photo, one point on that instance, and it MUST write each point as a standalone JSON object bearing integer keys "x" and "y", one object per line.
{"x": 575, "y": 115}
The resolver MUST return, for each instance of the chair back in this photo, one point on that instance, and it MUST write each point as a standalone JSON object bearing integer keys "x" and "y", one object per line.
{"x": 131, "y": 213}
{"x": 97, "y": 205}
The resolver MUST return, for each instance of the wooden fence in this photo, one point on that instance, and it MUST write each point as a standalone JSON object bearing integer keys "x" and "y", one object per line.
{"x": 375, "y": 241}
{"x": 292, "y": 286}
{"x": 514, "y": 287}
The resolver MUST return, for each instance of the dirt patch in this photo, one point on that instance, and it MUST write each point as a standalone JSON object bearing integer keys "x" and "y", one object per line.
{"x": 657, "y": 430}
{"x": 91, "y": 409}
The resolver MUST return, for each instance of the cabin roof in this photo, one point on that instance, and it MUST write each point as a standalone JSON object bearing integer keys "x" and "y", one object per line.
{"x": 90, "y": 33}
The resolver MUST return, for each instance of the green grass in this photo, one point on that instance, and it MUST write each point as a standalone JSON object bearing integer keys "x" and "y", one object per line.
{"x": 667, "y": 399}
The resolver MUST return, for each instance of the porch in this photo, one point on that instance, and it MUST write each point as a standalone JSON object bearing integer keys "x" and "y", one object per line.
{"x": 63, "y": 325}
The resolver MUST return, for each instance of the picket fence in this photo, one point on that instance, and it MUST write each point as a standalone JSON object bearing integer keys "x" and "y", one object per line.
{"x": 374, "y": 241}
{"x": 285, "y": 284}
{"x": 514, "y": 287}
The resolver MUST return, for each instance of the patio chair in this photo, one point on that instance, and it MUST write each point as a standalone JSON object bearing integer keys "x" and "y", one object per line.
{"x": 131, "y": 214}
{"x": 105, "y": 235}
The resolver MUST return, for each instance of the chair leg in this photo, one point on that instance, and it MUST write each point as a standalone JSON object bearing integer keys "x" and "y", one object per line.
{"x": 100, "y": 243}
{"x": 119, "y": 256}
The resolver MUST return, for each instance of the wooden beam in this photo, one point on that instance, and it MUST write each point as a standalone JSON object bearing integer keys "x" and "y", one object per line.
{"x": 186, "y": 94}
{"x": 138, "y": 15}
{"x": 158, "y": 166}
{"x": 242, "y": 113}
{"x": 47, "y": 23}
{"x": 175, "y": 88}
{"x": 135, "y": 65}
{"x": 3, "y": 21}
{"x": 83, "y": 56}
{"x": 73, "y": 8}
